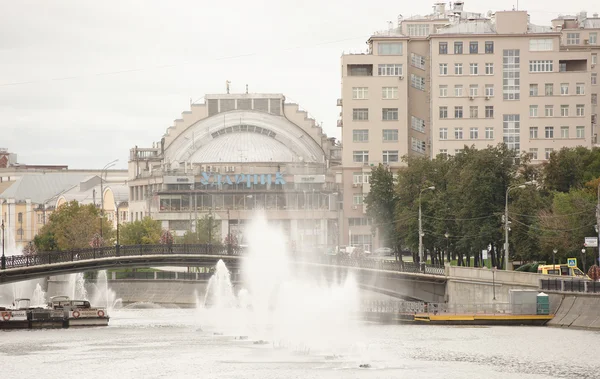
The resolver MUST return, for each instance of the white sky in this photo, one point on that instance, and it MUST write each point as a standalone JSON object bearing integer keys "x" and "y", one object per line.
{"x": 63, "y": 102}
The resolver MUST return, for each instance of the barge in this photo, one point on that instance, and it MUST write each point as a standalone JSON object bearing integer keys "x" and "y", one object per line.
{"x": 61, "y": 312}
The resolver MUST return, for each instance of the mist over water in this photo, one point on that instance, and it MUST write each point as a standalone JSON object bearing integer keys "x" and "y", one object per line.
{"x": 279, "y": 304}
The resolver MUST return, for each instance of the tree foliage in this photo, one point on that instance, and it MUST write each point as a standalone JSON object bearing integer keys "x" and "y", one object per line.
{"x": 381, "y": 203}
{"x": 143, "y": 232}
{"x": 208, "y": 230}
{"x": 72, "y": 226}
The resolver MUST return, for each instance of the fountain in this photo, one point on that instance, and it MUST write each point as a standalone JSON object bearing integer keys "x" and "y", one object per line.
{"x": 102, "y": 296}
{"x": 279, "y": 305}
{"x": 38, "y": 299}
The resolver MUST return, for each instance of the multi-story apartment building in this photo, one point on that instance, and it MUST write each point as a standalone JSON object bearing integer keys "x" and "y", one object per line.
{"x": 439, "y": 82}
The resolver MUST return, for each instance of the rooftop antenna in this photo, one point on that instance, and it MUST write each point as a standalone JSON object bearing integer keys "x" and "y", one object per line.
{"x": 227, "y": 83}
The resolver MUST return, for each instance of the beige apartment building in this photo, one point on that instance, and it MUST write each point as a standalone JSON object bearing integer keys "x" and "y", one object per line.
{"x": 436, "y": 83}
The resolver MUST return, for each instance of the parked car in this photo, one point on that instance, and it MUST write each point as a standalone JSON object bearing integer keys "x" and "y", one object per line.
{"x": 384, "y": 251}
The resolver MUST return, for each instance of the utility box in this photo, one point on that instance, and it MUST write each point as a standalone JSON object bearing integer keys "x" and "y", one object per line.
{"x": 523, "y": 302}
{"x": 543, "y": 304}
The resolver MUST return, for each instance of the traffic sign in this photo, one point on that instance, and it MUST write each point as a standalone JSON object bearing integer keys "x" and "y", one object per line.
{"x": 484, "y": 254}
{"x": 591, "y": 242}
{"x": 572, "y": 262}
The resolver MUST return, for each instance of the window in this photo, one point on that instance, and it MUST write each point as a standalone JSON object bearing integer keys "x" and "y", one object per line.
{"x": 458, "y": 133}
{"x": 389, "y": 48}
{"x": 418, "y": 145}
{"x": 417, "y": 82}
{"x": 489, "y": 111}
{"x": 389, "y": 92}
{"x": 564, "y": 88}
{"x": 417, "y": 124}
{"x": 512, "y": 134}
{"x": 360, "y": 156}
{"x": 417, "y": 61}
{"x": 444, "y": 153}
{"x": 580, "y": 89}
{"x": 564, "y": 111}
{"x": 458, "y": 112}
{"x": 549, "y": 88}
{"x": 549, "y": 132}
{"x": 564, "y": 132}
{"x": 489, "y": 133}
{"x": 541, "y": 66}
{"x": 357, "y": 199}
{"x": 360, "y": 114}
{"x": 363, "y": 240}
{"x": 593, "y": 38}
{"x": 533, "y": 111}
{"x": 595, "y": 99}
{"x": 389, "y": 70}
{"x": 594, "y": 79}
{"x": 390, "y": 156}
{"x": 443, "y": 68}
{"x": 594, "y": 58}
{"x": 443, "y": 91}
{"x": 533, "y": 132}
{"x": 443, "y": 112}
{"x": 489, "y": 69}
{"x": 474, "y": 133}
{"x": 572, "y": 38}
{"x": 357, "y": 178}
{"x": 360, "y": 221}
{"x": 390, "y": 135}
{"x": 489, "y": 90}
{"x": 360, "y": 135}
{"x": 580, "y": 131}
{"x": 511, "y": 75}
{"x": 473, "y": 111}
{"x": 548, "y": 152}
{"x": 489, "y": 47}
{"x": 418, "y": 30}
{"x": 549, "y": 111}
{"x": 458, "y": 47}
{"x": 545, "y": 44}
{"x": 458, "y": 151}
{"x": 443, "y": 48}
{"x": 580, "y": 109}
{"x": 458, "y": 69}
{"x": 473, "y": 47}
{"x": 533, "y": 90}
{"x": 533, "y": 154}
{"x": 458, "y": 90}
{"x": 40, "y": 218}
{"x": 360, "y": 93}
{"x": 473, "y": 69}
{"x": 443, "y": 133}
{"x": 389, "y": 114}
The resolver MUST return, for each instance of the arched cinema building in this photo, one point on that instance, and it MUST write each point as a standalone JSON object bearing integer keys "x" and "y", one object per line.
{"x": 234, "y": 154}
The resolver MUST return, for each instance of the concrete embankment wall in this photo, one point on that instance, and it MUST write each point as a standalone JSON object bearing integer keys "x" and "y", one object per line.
{"x": 469, "y": 285}
{"x": 578, "y": 310}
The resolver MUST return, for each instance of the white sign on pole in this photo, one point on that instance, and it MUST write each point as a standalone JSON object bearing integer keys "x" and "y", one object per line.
{"x": 484, "y": 254}
{"x": 591, "y": 242}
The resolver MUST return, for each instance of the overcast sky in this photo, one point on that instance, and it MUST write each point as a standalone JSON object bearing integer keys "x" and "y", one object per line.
{"x": 82, "y": 82}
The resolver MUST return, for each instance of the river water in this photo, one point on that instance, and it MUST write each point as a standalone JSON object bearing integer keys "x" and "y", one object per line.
{"x": 174, "y": 343}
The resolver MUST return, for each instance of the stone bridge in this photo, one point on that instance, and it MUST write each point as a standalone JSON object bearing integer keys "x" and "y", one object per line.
{"x": 403, "y": 280}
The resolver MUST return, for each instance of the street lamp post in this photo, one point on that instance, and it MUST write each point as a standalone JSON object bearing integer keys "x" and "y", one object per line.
{"x": 554, "y": 257}
{"x": 3, "y": 263}
{"x": 583, "y": 259}
{"x": 106, "y": 167}
{"x": 421, "y": 225}
{"x": 506, "y": 222}
{"x": 447, "y": 235}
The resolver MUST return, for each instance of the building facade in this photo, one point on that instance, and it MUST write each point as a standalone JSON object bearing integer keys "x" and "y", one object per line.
{"x": 233, "y": 155}
{"x": 436, "y": 83}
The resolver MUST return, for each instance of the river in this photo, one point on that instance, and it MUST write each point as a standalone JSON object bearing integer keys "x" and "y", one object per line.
{"x": 173, "y": 343}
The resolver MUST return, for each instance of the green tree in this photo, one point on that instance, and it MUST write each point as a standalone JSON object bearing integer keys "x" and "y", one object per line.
{"x": 73, "y": 226}
{"x": 207, "y": 231}
{"x": 381, "y": 205}
{"x": 566, "y": 168}
{"x": 143, "y": 232}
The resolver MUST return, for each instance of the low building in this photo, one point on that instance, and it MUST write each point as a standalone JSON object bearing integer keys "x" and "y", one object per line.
{"x": 235, "y": 154}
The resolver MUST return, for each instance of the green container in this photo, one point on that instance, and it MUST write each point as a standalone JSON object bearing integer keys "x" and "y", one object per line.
{"x": 543, "y": 304}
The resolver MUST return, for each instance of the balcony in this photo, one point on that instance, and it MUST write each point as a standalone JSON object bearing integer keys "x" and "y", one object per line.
{"x": 340, "y": 123}
{"x": 572, "y": 65}
{"x": 339, "y": 102}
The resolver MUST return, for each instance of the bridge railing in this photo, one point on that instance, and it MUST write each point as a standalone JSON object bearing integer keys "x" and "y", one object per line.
{"x": 75, "y": 255}
{"x": 570, "y": 285}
